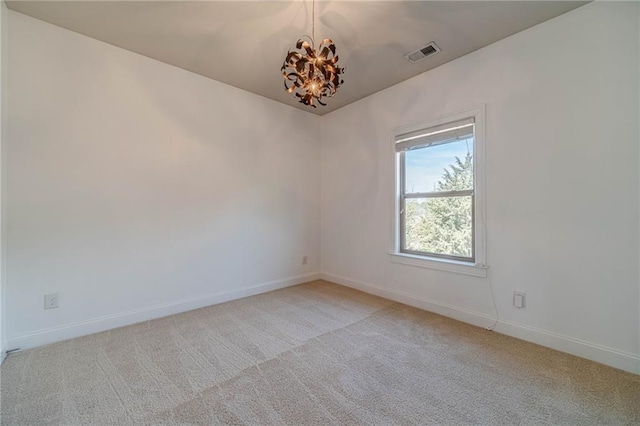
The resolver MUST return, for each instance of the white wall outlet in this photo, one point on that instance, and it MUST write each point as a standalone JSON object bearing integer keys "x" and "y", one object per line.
{"x": 304, "y": 260}
{"x": 51, "y": 301}
{"x": 519, "y": 299}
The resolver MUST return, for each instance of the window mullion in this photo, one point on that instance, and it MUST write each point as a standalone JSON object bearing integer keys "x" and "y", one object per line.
{"x": 462, "y": 193}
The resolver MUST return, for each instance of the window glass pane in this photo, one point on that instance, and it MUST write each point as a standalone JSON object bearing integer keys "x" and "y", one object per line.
{"x": 446, "y": 167}
{"x": 440, "y": 225}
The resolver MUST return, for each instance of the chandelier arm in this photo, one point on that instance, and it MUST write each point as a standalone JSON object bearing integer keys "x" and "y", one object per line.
{"x": 308, "y": 37}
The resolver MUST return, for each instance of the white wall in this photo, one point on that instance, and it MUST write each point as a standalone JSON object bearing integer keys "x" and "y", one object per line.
{"x": 3, "y": 64}
{"x": 562, "y": 185}
{"x": 136, "y": 189}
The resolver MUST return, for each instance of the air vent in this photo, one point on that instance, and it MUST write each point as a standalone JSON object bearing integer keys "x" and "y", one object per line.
{"x": 423, "y": 52}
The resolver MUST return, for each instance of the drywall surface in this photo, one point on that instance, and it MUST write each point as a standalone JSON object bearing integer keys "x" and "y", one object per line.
{"x": 561, "y": 185}
{"x": 135, "y": 189}
{"x": 3, "y": 66}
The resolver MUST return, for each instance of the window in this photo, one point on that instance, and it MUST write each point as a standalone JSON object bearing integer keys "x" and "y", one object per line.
{"x": 439, "y": 198}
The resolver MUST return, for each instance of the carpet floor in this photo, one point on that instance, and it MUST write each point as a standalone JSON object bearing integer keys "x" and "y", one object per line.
{"x": 313, "y": 354}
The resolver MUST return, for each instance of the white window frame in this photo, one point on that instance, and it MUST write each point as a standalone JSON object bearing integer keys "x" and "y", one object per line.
{"x": 478, "y": 267}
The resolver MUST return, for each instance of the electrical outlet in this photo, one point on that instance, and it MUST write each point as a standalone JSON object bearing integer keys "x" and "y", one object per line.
{"x": 304, "y": 260}
{"x": 51, "y": 301}
{"x": 519, "y": 299}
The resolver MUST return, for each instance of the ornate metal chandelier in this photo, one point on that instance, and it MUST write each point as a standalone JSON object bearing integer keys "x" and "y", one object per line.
{"x": 312, "y": 74}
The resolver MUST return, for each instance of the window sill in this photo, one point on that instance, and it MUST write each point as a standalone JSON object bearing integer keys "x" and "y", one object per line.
{"x": 454, "y": 266}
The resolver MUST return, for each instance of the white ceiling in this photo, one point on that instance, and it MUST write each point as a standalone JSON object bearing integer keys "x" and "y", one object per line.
{"x": 243, "y": 43}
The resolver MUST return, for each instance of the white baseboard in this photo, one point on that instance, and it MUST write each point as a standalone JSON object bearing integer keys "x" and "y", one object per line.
{"x": 95, "y": 325}
{"x": 605, "y": 355}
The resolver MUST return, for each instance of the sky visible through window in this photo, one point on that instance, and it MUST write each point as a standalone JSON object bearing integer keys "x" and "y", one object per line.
{"x": 425, "y": 167}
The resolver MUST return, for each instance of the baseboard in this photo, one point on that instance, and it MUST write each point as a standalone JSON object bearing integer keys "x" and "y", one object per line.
{"x": 605, "y": 355}
{"x": 95, "y": 325}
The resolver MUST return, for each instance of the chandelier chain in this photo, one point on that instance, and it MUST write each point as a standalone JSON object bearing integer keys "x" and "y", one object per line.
{"x": 313, "y": 20}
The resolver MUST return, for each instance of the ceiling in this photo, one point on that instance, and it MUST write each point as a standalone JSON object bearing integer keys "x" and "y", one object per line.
{"x": 243, "y": 43}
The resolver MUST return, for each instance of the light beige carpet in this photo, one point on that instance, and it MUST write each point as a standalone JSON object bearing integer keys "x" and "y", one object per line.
{"x": 314, "y": 354}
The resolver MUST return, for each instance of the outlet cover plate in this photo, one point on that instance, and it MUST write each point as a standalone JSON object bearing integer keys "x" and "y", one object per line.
{"x": 51, "y": 301}
{"x": 519, "y": 299}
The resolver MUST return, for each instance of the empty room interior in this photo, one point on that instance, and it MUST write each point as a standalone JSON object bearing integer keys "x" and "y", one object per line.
{"x": 320, "y": 212}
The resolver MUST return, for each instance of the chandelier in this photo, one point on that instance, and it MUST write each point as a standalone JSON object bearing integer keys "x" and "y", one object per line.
{"x": 309, "y": 73}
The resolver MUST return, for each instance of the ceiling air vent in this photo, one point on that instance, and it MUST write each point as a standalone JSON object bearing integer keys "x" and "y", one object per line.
{"x": 423, "y": 52}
